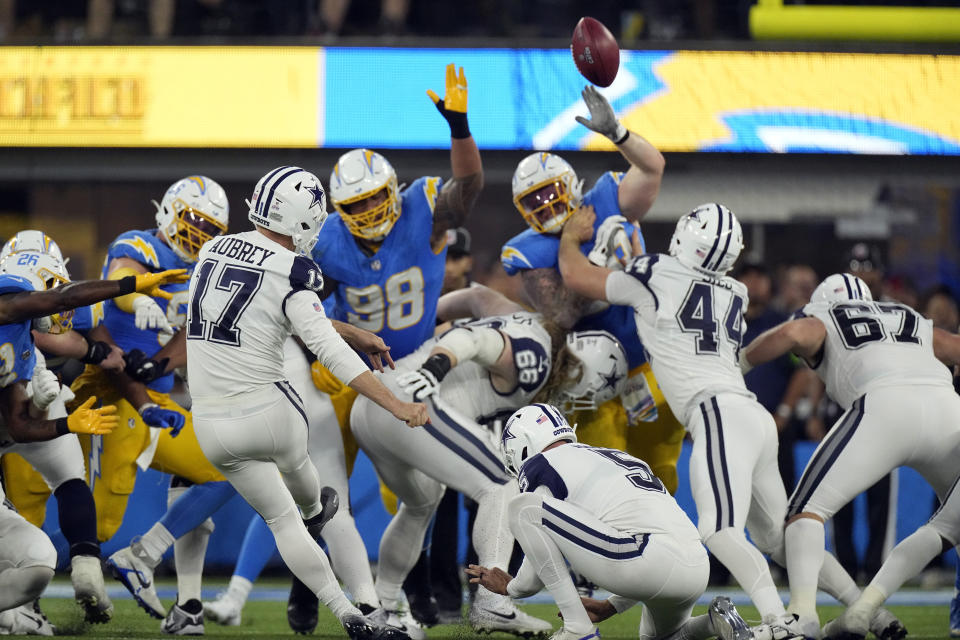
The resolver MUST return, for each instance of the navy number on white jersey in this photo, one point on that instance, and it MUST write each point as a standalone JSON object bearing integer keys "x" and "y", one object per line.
{"x": 859, "y": 323}
{"x": 242, "y": 282}
{"x": 639, "y": 473}
{"x": 696, "y": 315}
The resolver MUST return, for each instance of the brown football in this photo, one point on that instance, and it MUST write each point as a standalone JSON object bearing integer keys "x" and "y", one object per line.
{"x": 595, "y": 52}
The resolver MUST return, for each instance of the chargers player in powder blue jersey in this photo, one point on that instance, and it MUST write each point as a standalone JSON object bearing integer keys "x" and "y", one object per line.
{"x": 546, "y": 191}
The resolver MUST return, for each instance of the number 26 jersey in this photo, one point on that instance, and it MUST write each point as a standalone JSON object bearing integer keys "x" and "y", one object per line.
{"x": 691, "y": 326}
{"x": 873, "y": 344}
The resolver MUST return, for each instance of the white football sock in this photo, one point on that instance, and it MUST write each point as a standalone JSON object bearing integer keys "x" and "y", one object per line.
{"x": 804, "y": 541}
{"x": 239, "y": 589}
{"x": 748, "y": 567}
{"x": 400, "y": 547}
{"x": 907, "y": 560}
{"x": 348, "y": 555}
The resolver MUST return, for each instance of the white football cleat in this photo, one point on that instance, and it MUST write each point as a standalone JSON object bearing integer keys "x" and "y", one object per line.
{"x": 565, "y": 634}
{"x": 25, "y": 620}
{"x": 181, "y": 622}
{"x": 499, "y": 613}
{"x": 786, "y": 627}
{"x": 132, "y": 570}
{"x": 395, "y": 625}
{"x": 89, "y": 590}
{"x": 225, "y": 610}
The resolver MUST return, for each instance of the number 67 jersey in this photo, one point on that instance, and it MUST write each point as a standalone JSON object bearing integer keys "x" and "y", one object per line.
{"x": 691, "y": 325}
{"x": 873, "y": 344}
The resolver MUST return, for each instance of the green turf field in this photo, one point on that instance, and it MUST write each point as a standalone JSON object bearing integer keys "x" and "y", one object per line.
{"x": 268, "y": 620}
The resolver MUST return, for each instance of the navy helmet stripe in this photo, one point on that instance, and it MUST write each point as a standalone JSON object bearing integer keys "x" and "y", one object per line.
{"x": 266, "y": 181}
{"x": 856, "y": 281}
{"x": 546, "y": 410}
{"x": 716, "y": 239}
{"x": 726, "y": 245}
{"x": 846, "y": 282}
{"x": 273, "y": 188}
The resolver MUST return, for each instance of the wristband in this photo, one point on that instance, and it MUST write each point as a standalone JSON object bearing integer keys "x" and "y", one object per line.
{"x": 458, "y": 124}
{"x": 97, "y": 352}
{"x": 622, "y": 138}
{"x": 438, "y": 365}
{"x": 128, "y": 284}
{"x": 62, "y": 427}
{"x": 145, "y": 406}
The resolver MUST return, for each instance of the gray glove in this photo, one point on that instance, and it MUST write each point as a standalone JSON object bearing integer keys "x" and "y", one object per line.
{"x": 602, "y": 118}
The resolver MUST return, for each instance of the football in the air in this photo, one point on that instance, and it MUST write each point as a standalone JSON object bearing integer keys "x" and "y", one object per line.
{"x": 595, "y": 52}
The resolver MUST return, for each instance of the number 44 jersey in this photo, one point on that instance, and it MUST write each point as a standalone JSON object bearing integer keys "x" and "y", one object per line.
{"x": 691, "y": 326}
{"x": 871, "y": 345}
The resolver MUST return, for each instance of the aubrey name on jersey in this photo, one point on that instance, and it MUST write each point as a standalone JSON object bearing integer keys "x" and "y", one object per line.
{"x": 871, "y": 345}
{"x": 691, "y": 325}
{"x": 393, "y": 292}
{"x": 532, "y": 250}
{"x": 247, "y": 296}
{"x": 612, "y": 485}
{"x": 153, "y": 253}
{"x": 468, "y": 387}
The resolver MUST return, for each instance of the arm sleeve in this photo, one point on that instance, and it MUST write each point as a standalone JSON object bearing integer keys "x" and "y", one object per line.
{"x": 306, "y": 315}
{"x": 631, "y": 286}
{"x": 480, "y": 344}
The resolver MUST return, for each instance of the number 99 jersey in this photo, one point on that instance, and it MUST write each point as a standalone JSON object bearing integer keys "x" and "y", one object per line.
{"x": 392, "y": 293}
{"x": 873, "y": 344}
{"x": 691, "y": 325}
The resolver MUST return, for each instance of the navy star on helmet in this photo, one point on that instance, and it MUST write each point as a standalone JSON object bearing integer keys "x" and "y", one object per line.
{"x": 285, "y": 202}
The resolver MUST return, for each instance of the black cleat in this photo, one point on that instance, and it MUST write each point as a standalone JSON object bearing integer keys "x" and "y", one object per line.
{"x": 302, "y": 608}
{"x": 360, "y": 628}
{"x": 330, "y": 504}
{"x": 424, "y": 609}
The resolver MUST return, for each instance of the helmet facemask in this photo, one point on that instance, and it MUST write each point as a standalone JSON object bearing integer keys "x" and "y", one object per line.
{"x": 546, "y": 206}
{"x": 371, "y": 222}
{"x": 191, "y": 229}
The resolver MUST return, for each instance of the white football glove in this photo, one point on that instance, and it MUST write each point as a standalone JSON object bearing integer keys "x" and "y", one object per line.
{"x": 43, "y": 388}
{"x": 420, "y": 384}
{"x": 637, "y": 400}
{"x": 610, "y": 236}
{"x": 149, "y": 315}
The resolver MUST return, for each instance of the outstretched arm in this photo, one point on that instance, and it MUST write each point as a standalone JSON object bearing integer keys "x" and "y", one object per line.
{"x": 579, "y": 274}
{"x": 459, "y": 194}
{"x": 803, "y": 337}
{"x": 641, "y": 184}
{"x": 26, "y": 305}
{"x": 476, "y": 301}
{"x": 22, "y": 427}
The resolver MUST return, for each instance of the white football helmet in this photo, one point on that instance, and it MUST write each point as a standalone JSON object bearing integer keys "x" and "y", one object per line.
{"x": 44, "y": 271}
{"x": 603, "y": 370}
{"x": 193, "y": 210}
{"x": 529, "y": 431}
{"x": 31, "y": 240}
{"x": 358, "y": 175}
{"x": 709, "y": 239}
{"x": 546, "y": 191}
{"x": 290, "y": 201}
{"x": 841, "y": 287}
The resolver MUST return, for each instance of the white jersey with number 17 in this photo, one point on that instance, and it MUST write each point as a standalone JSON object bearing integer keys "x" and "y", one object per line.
{"x": 690, "y": 324}
{"x": 248, "y": 294}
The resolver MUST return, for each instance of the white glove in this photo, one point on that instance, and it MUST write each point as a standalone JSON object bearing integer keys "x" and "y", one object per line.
{"x": 638, "y": 401}
{"x": 43, "y": 388}
{"x": 149, "y": 315}
{"x": 420, "y": 384}
{"x": 42, "y": 324}
{"x": 610, "y": 236}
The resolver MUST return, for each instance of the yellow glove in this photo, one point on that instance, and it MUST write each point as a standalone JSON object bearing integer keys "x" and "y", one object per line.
{"x": 93, "y": 421}
{"x": 150, "y": 283}
{"x": 454, "y": 105}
